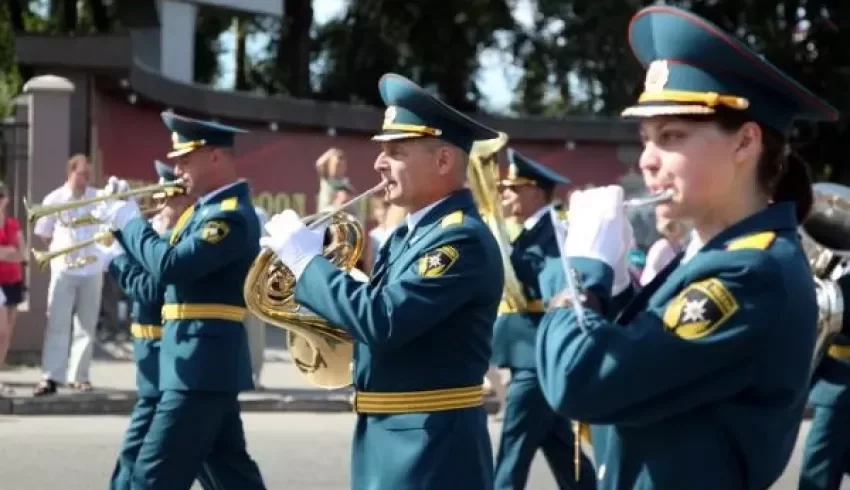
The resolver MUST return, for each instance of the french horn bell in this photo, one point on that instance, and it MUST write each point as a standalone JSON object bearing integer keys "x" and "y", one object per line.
{"x": 321, "y": 352}
{"x": 825, "y": 237}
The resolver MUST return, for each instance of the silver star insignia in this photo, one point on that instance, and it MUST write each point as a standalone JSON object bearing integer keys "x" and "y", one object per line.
{"x": 694, "y": 311}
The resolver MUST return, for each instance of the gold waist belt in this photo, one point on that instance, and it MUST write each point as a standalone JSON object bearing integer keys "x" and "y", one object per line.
{"x": 418, "y": 401}
{"x": 146, "y": 332}
{"x": 533, "y": 306}
{"x": 840, "y": 352}
{"x": 203, "y": 312}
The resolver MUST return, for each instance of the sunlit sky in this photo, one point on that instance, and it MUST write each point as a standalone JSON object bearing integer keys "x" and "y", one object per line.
{"x": 496, "y": 80}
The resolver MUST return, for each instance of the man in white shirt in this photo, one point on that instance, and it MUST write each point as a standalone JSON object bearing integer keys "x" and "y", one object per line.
{"x": 76, "y": 282}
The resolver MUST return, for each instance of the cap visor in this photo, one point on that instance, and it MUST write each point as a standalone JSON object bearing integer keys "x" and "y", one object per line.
{"x": 395, "y": 136}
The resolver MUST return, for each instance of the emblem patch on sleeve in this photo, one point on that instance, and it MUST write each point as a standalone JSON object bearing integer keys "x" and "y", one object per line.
{"x": 436, "y": 262}
{"x": 700, "y": 309}
{"x": 214, "y": 231}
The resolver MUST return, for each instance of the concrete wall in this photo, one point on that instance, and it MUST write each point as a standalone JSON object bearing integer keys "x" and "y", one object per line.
{"x": 46, "y": 106}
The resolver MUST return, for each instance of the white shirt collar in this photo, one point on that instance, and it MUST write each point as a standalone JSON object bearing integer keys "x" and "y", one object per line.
{"x": 206, "y": 197}
{"x": 414, "y": 218}
{"x": 532, "y": 220}
{"x": 694, "y": 246}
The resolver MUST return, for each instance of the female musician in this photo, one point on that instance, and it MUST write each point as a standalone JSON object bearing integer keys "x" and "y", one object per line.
{"x": 700, "y": 382}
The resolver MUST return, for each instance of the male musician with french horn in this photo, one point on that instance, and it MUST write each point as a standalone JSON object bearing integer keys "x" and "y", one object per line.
{"x": 701, "y": 380}
{"x": 529, "y": 422}
{"x": 204, "y": 361}
{"x": 422, "y": 325}
{"x": 76, "y": 284}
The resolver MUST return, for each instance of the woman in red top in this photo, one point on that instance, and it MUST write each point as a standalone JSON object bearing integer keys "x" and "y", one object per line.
{"x": 11, "y": 275}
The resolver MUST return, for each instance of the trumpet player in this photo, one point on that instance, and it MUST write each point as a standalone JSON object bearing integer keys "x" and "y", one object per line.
{"x": 826, "y": 455}
{"x": 530, "y": 423}
{"x": 147, "y": 296}
{"x": 701, "y": 380}
{"x": 76, "y": 284}
{"x": 422, "y": 325}
{"x": 204, "y": 361}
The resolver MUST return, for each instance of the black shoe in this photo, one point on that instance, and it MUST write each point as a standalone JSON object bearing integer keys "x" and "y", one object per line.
{"x": 46, "y": 387}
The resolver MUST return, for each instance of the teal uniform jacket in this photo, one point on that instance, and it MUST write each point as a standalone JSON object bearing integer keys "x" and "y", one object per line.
{"x": 204, "y": 346}
{"x": 529, "y": 423}
{"x": 423, "y": 322}
{"x": 537, "y": 262}
{"x": 147, "y": 296}
{"x": 831, "y": 380}
{"x": 701, "y": 383}
{"x": 826, "y": 457}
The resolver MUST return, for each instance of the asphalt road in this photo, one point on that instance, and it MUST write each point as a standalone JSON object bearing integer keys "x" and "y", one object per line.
{"x": 294, "y": 451}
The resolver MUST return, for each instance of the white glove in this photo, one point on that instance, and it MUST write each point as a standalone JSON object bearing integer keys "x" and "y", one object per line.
{"x": 293, "y": 243}
{"x": 114, "y": 185}
{"x": 116, "y": 214}
{"x": 108, "y": 253}
{"x": 600, "y": 230}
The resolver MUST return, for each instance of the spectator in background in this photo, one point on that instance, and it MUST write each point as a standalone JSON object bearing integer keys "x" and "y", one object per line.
{"x": 76, "y": 284}
{"x": 671, "y": 243}
{"x": 331, "y": 167}
{"x": 12, "y": 253}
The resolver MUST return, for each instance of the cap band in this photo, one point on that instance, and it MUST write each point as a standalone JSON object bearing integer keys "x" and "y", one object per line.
{"x": 412, "y": 128}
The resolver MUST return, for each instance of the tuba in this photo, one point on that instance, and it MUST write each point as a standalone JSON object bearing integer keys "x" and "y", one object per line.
{"x": 322, "y": 353}
{"x": 825, "y": 236}
{"x": 483, "y": 182}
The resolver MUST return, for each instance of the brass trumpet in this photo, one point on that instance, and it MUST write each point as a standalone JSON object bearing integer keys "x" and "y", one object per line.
{"x": 89, "y": 220}
{"x": 37, "y": 212}
{"x": 79, "y": 221}
{"x": 43, "y": 257}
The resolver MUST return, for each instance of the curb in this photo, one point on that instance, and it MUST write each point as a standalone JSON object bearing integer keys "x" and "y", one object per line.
{"x": 293, "y": 401}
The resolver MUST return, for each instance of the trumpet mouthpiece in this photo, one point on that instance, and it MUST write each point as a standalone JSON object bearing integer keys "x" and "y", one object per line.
{"x": 656, "y": 198}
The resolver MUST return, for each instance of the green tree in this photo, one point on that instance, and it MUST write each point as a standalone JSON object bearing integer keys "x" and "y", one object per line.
{"x": 435, "y": 44}
{"x": 582, "y": 44}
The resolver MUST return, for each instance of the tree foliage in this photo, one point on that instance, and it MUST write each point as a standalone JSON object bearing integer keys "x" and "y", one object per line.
{"x": 574, "y": 55}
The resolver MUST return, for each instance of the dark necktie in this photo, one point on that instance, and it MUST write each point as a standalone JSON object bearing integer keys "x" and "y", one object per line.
{"x": 390, "y": 247}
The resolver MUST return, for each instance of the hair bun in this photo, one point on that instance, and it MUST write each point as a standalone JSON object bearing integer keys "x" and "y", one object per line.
{"x": 795, "y": 185}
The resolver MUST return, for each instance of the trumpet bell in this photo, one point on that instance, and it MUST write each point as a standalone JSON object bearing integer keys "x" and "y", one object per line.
{"x": 321, "y": 352}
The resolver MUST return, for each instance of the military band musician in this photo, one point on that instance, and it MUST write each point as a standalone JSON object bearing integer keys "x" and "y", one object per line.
{"x": 204, "y": 360}
{"x": 147, "y": 297}
{"x": 700, "y": 381}
{"x": 422, "y": 325}
{"x": 529, "y": 422}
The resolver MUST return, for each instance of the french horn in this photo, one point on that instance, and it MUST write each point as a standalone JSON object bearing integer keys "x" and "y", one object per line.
{"x": 321, "y": 352}
{"x": 825, "y": 236}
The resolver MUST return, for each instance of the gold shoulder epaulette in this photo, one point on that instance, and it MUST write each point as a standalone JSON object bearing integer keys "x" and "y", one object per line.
{"x": 757, "y": 241}
{"x": 229, "y": 204}
{"x": 450, "y": 219}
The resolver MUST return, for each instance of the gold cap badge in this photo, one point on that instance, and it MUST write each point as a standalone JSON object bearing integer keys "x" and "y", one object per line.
{"x": 656, "y": 76}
